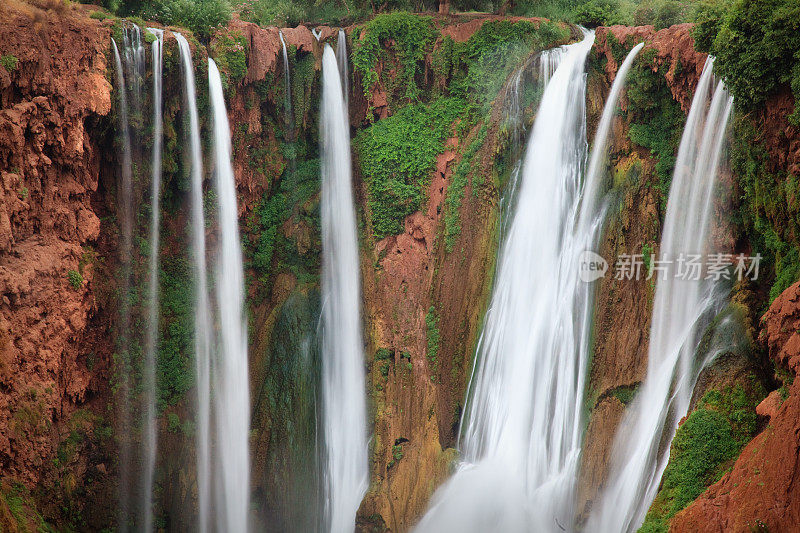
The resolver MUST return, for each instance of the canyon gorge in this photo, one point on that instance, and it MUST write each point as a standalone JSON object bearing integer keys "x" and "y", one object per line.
{"x": 371, "y": 207}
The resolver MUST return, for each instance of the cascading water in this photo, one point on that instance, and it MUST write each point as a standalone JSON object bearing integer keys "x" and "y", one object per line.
{"x": 341, "y": 60}
{"x": 287, "y": 101}
{"x": 125, "y": 207}
{"x": 151, "y": 335}
{"x": 202, "y": 312}
{"x": 599, "y": 157}
{"x": 681, "y": 308}
{"x": 344, "y": 406}
{"x": 232, "y": 397}
{"x": 522, "y": 425}
{"x": 134, "y": 62}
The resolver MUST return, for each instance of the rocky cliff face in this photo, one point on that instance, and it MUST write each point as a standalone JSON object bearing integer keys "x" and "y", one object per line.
{"x": 54, "y": 359}
{"x": 761, "y": 492}
{"x": 424, "y": 288}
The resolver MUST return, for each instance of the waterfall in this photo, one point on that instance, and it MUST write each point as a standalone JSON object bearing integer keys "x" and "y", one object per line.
{"x": 521, "y": 428}
{"x": 344, "y": 406}
{"x": 287, "y": 102}
{"x": 125, "y": 206}
{"x": 599, "y": 157}
{"x": 341, "y": 61}
{"x": 232, "y": 397}
{"x": 202, "y": 314}
{"x": 134, "y": 63}
{"x": 680, "y": 311}
{"x": 151, "y": 334}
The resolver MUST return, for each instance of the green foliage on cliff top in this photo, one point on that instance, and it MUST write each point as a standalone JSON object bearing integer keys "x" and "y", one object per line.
{"x": 229, "y": 50}
{"x": 202, "y": 17}
{"x": 703, "y": 447}
{"x": 397, "y": 155}
{"x": 757, "y": 44}
{"x": 411, "y": 37}
{"x": 477, "y": 68}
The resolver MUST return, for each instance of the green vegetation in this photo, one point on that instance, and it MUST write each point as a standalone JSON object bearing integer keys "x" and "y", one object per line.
{"x": 176, "y": 341}
{"x": 382, "y": 354}
{"x": 75, "y": 279}
{"x": 434, "y": 337}
{"x": 397, "y": 155}
{"x": 271, "y": 213}
{"x": 23, "y": 193}
{"x": 22, "y": 508}
{"x": 756, "y": 43}
{"x": 770, "y": 207}
{"x": 625, "y": 394}
{"x": 656, "y": 119}
{"x": 477, "y": 68}
{"x": 9, "y": 62}
{"x": 412, "y": 37}
{"x": 229, "y": 50}
{"x": 202, "y": 17}
{"x": 455, "y": 191}
{"x": 703, "y": 448}
{"x": 397, "y": 454}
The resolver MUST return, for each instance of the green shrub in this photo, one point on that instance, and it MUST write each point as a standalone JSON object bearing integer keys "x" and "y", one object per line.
{"x": 707, "y": 16}
{"x": 660, "y": 13}
{"x": 75, "y": 279}
{"x": 230, "y": 52}
{"x": 787, "y": 272}
{"x": 9, "y": 62}
{"x": 757, "y": 50}
{"x": 412, "y": 37}
{"x": 704, "y": 445}
{"x": 176, "y": 339}
{"x": 434, "y": 337}
{"x": 397, "y": 155}
{"x": 701, "y": 445}
{"x": 455, "y": 191}
{"x": 97, "y": 15}
{"x": 173, "y": 423}
{"x": 382, "y": 354}
{"x": 598, "y": 13}
{"x": 202, "y": 17}
{"x": 271, "y": 213}
{"x": 656, "y": 119}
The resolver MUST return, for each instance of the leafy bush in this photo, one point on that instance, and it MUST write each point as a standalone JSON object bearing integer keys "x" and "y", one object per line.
{"x": 272, "y": 212}
{"x": 757, "y": 50}
{"x": 707, "y": 16}
{"x": 202, "y": 17}
{"x": 289, "y": 13}
{"x": 397, "y": 155}
{"x": 176, "y": 341}
{"x": 712, "y": 436}
{"x": 598, "y": 13}
{"x": 412, "y": 37}
{"x": 9, "y": 62}
{"x": 434, "y": 337}
{"x": 230, "y": 52}
{"x": 455, "y": 191}
{"x": 656, "y": 118}
{"x": 660, "y": 13}
{"x": 75, "y": 279}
